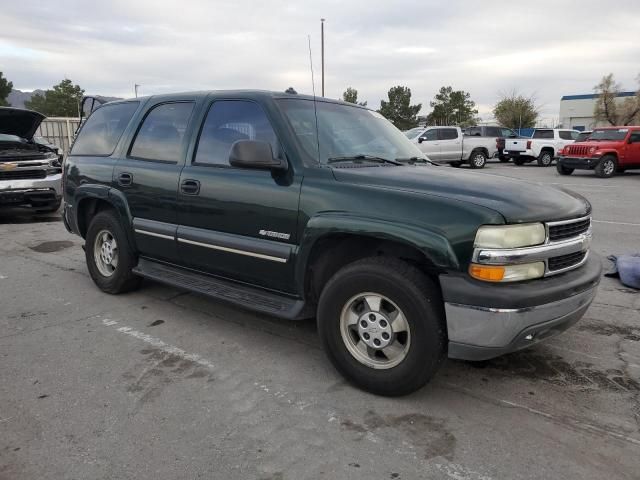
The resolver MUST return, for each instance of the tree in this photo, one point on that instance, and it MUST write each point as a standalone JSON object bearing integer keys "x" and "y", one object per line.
{"x": 62, "y": 101}
{"x": 516, "y": 111}
{"x": 5, "y": 90}
{"x": 609, "y": 109}
{"x": 398, "y": 108}
{"x": 453, "y": 107}
{"x": 351, "y": 95}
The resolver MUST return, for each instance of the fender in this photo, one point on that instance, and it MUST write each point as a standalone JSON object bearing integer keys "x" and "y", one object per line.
{"x": 111, "y": 196}
{"x": 430, "y": 241}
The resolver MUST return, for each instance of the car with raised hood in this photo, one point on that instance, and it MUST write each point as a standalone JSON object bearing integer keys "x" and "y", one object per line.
{"x": 607, "y": 151}
{"x": 300, "y": 207}
{"x": 30, "y": 169}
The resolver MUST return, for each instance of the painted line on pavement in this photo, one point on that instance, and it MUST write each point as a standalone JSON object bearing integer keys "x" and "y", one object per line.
{"x": 616, "y": 223}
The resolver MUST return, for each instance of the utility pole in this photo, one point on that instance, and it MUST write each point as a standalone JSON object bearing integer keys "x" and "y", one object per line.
{"x": 135, "y": 88}
{"x": 322, "y": 51}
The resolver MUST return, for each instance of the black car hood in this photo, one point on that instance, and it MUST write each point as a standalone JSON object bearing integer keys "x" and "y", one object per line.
{"x": 16, "y": 121}
{"x": 518, "y": 201}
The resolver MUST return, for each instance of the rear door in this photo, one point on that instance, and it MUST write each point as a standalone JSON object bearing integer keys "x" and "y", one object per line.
{"x": 429, "y": 144}
{"x": 632, "y": 154}
{"x": 238, "y": 223}
{"x": 148, "y": 176}
{"x": 450, "y": 144}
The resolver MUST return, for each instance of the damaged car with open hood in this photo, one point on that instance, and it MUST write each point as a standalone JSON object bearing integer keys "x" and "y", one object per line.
{"x": 30, "y": 171}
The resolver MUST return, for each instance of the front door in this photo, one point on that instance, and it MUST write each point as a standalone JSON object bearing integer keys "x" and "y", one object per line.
{"x": 238, "y": 223}
{"x": 429, "y": 144}
{"x": 148, "y": 176}
{"x": 632, "y": 152}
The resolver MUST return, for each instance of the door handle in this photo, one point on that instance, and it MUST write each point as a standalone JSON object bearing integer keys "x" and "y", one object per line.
{"x": 190, "y": 187}
{"x": 125, "y": 179}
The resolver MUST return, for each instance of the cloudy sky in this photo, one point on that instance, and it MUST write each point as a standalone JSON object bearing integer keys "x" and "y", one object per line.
{"x": 545, "y": 48}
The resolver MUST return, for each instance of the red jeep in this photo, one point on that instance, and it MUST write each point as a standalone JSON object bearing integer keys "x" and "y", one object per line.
{"x": 608, "y": 150}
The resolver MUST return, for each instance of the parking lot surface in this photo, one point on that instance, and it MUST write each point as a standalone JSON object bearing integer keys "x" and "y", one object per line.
{"x": 164, "y": 384}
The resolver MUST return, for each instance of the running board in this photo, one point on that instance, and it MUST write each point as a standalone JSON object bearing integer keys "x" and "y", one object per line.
{"x": 238, "y": 294}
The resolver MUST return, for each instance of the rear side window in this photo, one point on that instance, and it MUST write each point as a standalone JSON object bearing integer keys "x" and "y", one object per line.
{"x": 568, "y": 135}
{"x": 102, "y": 130}
{"x": 473, "y": 132}
{"x": 161, "y": 135}
{"x": 448, "y": 133}
{"x": 227, "y": 122}
{"x": 547, "y": 134}
{"x": 493, "y": 132}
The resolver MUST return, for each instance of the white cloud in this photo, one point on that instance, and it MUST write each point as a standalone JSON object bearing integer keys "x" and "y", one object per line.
{"x": 546, "y": 48}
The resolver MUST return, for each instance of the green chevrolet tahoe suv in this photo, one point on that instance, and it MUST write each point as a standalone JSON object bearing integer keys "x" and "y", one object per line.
{"x": 300, "y": 209}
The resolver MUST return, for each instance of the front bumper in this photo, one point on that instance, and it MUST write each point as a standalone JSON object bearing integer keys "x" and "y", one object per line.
{"x": 579, "y": 163}
{"x": 35, "y": 192}
{"x": 486, "y": 320}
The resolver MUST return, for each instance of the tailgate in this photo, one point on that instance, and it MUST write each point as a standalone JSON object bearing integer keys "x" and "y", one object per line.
{"x": 515, "y": 144}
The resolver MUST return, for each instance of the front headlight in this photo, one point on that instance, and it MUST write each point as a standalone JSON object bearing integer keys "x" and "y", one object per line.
{"x": 510, "y": 236}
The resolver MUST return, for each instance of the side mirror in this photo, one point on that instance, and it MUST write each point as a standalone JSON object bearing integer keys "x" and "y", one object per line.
{"x": 421, "y": 139}
{"x": 255, "y": 154}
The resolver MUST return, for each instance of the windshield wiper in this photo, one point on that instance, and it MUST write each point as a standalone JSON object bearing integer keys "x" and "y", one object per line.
{"x": 412, "y": 160}
{"x": 370, "y": 158}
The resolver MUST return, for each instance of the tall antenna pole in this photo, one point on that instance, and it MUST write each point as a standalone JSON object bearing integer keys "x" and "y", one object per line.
{"x": 135, "y": 89}
{"x": 322, "y": 51}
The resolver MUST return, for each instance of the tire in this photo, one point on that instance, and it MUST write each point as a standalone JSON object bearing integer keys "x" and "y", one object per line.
{"x": 477, "y": 159}
{"x": 545, "y": 159}
{"x": 519, "y": 161}
{"x": 402, "y": 287}
{"x": 562, "y": 170}
{"x": 54, "y": 207}
{"x": 106, "y": 226}
{"x": 606, "y": 167}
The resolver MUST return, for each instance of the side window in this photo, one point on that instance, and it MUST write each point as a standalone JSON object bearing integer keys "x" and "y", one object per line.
{"x": 568, "y": 135}
{"x": 474, "y": 132}
{"x": 507, "y": 133}
{"x": 634, "y": 137}
{"x": 430, "y": 135}
{"x": 545, "y": 134}
{"x": 493, "y": 132}
{"x": 448, "y": 134}
{"x": 227, "y": 122}
{"x": 161, "y": 135}
{"x": 102, "y": 130}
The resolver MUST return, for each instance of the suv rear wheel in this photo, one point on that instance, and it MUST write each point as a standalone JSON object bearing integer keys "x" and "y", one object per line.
{"x": 545, "y": 158}
{"x": 606, "y": 167}
{"x": 381, "y": 322}
{"x": 108, "y": 255}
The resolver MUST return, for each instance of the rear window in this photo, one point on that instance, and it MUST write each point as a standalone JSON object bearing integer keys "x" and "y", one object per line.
{"x": 161, "y": 135}
{"x": 548, "y": 134}
{"x": 102, "y": 130}
{"x": 568, "y": 135}
{"x": 448, "y": 133}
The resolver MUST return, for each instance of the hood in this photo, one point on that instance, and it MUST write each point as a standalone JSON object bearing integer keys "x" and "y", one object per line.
{"x": 516, "y": 200}
{"x": 16, "y": 121}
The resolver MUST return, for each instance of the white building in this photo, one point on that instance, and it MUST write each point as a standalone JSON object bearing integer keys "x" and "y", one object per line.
{"x": 576, "y": 111}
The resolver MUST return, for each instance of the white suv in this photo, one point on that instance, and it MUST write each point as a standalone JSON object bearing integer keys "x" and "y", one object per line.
{"x": 544, "y": 145}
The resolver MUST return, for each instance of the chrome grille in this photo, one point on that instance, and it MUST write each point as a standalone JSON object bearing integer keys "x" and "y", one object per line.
{"x": 563, "y": 230}
{"x": 22, "y": 174}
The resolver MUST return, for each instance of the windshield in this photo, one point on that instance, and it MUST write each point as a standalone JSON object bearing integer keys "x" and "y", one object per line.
{"x": 613, "y": 134}
{"x": 413, "y": 133}
{"x": 345, "y": 132}
{"x": 583, "y": 136}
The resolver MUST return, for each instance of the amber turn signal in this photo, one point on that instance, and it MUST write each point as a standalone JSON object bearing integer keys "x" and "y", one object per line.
{"x": 488, "y": 273}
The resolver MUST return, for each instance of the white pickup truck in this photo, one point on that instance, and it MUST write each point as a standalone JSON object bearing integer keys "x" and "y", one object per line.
{"x": 544, "y": 145}
{"x": 449, "y": 145}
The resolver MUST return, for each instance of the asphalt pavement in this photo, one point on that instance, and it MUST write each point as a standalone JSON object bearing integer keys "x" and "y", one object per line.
{"x": 164, "y": 384}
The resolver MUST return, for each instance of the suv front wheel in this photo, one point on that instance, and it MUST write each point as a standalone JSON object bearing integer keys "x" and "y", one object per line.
{"x": 381, "y": 322}
{"x": 109, "y": 256}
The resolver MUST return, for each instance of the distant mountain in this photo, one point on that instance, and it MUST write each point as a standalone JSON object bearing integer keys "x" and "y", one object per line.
{"x": 17, "y": 98}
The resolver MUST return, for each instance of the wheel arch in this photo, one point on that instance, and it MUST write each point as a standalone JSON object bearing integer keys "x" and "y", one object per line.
{"x": 330, "y": 243}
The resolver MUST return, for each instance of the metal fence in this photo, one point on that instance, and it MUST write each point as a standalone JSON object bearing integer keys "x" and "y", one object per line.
{"x": 58, "y": 131}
